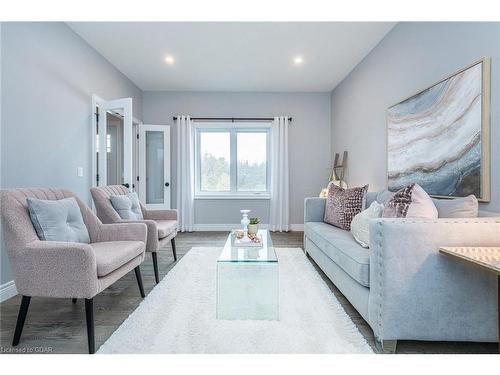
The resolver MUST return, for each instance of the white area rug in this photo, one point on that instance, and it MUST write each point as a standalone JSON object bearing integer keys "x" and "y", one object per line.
{"x": 178, "y": 315}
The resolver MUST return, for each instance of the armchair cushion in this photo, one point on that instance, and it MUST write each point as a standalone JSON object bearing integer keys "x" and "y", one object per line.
{"x": 58, "y": 220}
{"x": 166, "y": 227}
{"x": 112, "y": 255}
{"x": 127, "y": 206}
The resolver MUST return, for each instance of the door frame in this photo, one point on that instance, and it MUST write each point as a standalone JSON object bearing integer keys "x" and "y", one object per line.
{"x": 143, "y": 128}
{"x": 128, "y": 136}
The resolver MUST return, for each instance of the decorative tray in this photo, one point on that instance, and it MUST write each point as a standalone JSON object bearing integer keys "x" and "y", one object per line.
{"x": 246, "y": 242}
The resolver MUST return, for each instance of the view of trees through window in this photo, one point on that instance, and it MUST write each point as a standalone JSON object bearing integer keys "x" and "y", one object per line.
{"x": 215, "y": 152}
{"x": 252, "y": 161}
{"x": 215, "y": 161}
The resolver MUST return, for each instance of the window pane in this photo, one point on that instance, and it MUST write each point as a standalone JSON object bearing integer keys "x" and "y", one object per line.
{"x": 155, "y": 180}
{"x": 252, "y": 161}
{"x": 215, "y": 151}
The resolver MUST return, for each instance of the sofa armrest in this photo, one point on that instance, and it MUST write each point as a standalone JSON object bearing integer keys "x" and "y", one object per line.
{"x": 314, "y": 209}
{"x": 124, "y": 231}
{"x": 55, "y": 269}
{"x": 416, "y": 293}
{"x": 160, "y": 214}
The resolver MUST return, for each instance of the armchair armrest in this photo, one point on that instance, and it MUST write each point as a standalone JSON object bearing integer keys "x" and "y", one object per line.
{"x": 314, "y": 209}
{"x": 124, "y": 231}
{"x": 55, "y": 269}
{"x": 171, "y": 214}
{"x": 417, "y": 293}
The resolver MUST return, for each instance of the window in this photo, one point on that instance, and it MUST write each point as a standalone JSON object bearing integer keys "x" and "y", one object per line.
{"x": 232, "y": 161}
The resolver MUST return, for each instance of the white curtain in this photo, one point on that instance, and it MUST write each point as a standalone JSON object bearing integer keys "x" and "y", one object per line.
{"x": 279, "y": 218}
{"x": 185, "y": 173}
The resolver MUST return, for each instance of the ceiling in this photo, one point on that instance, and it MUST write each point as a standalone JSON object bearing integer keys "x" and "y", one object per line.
{"x": 223, "y": 56}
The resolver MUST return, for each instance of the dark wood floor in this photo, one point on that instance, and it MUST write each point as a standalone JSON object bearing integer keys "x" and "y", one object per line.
{"x": 58, "y": 326}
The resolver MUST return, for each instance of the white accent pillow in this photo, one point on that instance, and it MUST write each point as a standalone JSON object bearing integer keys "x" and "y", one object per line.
{"x": 360, "y": 225}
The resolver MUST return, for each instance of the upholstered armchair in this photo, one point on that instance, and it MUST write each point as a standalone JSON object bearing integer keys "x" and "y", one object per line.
{"x": 67, "y": 269}
{"x": 162, "y": 224}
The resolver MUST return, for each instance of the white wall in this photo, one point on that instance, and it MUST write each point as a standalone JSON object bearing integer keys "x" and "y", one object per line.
{"x": 411, "y": 57}
{"x": 48, "y": 77}
{"x": 310, "y": 154}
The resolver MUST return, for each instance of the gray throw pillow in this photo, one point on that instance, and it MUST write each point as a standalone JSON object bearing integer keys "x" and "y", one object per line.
{"x": 457, "y": 208}
{"x": 58, "y": 220}
{"x": 127, "y": 206}
{"x": 384, "y": 196}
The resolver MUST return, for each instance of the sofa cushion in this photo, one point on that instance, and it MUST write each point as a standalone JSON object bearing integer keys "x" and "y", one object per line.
{"x": 340, "y": 247}
{"x": 127, "y": 206}
{"x": 58, "y": 220}
{"x": 165, "y": 227}
{"x": 112, "y": 255}
{"x": 457, "y": 208}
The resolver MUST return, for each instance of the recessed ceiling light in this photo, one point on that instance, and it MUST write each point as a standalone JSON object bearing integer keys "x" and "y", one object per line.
{"x": 169, "y": 60}
{"x": 298, "y": 60}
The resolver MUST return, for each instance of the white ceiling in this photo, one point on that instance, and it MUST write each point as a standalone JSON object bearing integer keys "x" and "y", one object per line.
{"x": 222, "y": 56}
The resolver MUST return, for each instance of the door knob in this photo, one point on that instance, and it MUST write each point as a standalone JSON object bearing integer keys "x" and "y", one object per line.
{"x": 167, "y": 184}
{"x": 126, "y": 185}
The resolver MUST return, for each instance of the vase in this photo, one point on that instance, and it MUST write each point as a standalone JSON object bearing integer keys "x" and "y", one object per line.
{"x": 245, "y": 220}
{"x": 253, "y": 228}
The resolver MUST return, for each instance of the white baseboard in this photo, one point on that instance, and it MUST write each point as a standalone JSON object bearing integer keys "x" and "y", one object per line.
{"x": 7, "y": 290}
{"x": 229, "y": 227}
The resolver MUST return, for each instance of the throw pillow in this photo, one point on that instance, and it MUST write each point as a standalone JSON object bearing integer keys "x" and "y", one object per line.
{"x": 457, "y": 208}
{"x": 58, "y": 220}
{"x": 127, "y": 206}
{"x": 384, "y": 195}
{"x": 360, "y": 225}
{"x": 343, "y": 204}
{"x": 411, "y": 201}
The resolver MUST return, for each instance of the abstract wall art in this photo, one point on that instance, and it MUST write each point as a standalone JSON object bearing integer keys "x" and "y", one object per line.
{"x": 439, "y": 137}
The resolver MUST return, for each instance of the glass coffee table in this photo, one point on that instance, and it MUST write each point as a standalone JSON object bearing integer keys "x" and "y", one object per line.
{"x": 247, "y": 281}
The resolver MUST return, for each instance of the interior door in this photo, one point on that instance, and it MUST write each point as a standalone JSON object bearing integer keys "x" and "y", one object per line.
{"x": 123, "y": 107}
{"x": 154, "y": 166}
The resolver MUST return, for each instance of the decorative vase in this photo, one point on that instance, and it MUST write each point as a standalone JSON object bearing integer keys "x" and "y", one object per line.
{"x": 245, "y": 220}
{"x": 253, "y": 228}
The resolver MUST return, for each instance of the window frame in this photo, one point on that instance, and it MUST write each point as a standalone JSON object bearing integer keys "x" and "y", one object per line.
{"x": 233, "y": 129}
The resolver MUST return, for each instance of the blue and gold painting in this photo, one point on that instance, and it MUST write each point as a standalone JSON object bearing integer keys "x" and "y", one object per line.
{"x": 435, "y": 137}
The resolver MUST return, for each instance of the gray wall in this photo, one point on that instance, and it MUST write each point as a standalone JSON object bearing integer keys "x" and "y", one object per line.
{"x": 411, "y": 57}
{"x": 48, "y": 77}
{"x": 309, "y": 141}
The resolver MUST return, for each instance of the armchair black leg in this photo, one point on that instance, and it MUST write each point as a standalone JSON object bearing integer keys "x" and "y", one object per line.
{"x": 139, "y": 280}
{"x": 74, "y": 300}
{"x": 21, "y": 318}
{"x": 155, "y": 266}
{"x": 89, "y": 313}
{"x": 172, "y": 241}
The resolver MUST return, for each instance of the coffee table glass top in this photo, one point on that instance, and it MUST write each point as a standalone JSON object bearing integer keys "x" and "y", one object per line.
{"x": 265, "y": 253}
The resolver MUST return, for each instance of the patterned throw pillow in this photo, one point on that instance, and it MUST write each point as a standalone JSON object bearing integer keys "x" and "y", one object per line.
{"x": 411, "y": 201}
{"x": 343, "y": 204}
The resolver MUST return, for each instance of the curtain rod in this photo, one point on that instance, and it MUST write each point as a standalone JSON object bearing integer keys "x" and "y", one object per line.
{"x": 233, "y": 119}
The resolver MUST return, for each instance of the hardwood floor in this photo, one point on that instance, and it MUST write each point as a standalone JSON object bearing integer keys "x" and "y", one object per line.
{"x": 58, "y": 325}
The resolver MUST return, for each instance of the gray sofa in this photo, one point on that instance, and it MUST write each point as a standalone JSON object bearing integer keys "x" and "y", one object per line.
{"x": 402, "y": 286}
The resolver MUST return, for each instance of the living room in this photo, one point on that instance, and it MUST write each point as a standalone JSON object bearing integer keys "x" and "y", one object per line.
{"x": 276, "y": 187}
